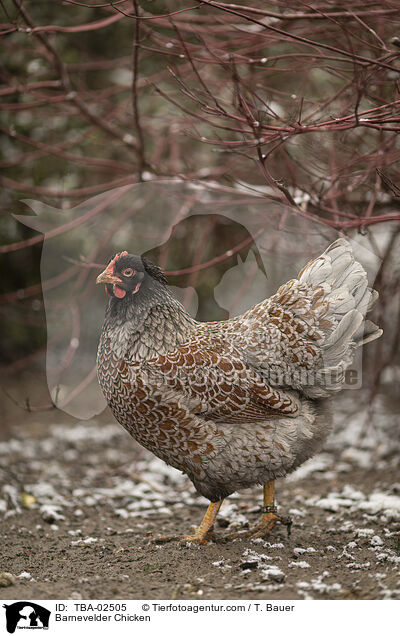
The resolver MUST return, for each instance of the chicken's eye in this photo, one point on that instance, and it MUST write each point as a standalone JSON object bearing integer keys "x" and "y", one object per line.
{"x": 128, "y": 271}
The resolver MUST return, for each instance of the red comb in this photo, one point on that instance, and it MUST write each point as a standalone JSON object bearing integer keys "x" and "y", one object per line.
{"x": 111, "y": 265}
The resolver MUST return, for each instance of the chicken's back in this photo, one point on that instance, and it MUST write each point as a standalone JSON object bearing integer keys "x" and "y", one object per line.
{"x": 304, "y": 337}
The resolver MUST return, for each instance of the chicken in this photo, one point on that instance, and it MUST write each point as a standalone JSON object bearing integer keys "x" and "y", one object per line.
{"x": 237, "y": 402}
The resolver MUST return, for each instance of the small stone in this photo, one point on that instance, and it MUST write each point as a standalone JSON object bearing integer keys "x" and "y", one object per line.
{"x": 249, "y": 565}
{"x": 27, "y": 500}
{"x": 6, "y": 579}
{"x": 50, "y": 514}
{"x": 272, "y": 573}
{"x": 76, "y": 596}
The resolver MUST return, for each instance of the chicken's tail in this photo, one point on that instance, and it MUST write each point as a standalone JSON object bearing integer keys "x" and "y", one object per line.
{"x": 342, "y": 285}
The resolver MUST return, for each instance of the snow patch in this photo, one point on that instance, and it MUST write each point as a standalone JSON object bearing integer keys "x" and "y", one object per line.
{"x": 272, "y": 573}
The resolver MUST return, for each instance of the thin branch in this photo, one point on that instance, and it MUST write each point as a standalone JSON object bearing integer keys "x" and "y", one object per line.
{"x": 298, "y": 38}
{"x": 136, "y": 114}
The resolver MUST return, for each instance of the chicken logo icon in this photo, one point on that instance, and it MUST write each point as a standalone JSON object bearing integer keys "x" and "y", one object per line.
{"x": 26, "y": 615}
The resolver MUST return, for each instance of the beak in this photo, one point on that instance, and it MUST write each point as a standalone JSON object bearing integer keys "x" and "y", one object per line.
{"x": 108, "y": 278}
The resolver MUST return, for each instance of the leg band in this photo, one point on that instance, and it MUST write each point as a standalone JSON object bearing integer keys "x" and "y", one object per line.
{"x": 272, "y": 509}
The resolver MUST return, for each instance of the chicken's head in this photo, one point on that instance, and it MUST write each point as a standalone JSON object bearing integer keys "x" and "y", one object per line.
{"x": 126, "y": 274}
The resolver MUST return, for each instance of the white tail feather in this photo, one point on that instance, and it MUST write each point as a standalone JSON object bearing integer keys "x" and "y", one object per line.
{"x": 345, "y": 290}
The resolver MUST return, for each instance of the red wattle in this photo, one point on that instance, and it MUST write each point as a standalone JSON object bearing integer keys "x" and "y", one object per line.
{"x": 118, "y": 292}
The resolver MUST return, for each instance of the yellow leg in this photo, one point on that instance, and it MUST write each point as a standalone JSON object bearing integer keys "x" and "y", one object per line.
{"x": 269, "y": 515}
{"x": 268, "y": 519}
{"x": 202, "y": 532}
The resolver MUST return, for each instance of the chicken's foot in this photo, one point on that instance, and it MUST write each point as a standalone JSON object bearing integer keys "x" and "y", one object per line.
{"x": 269, "y": 516}
{"x": 204, "y": 531}
{"x": 268, "y": 519}
{"x": 202, "y": 534}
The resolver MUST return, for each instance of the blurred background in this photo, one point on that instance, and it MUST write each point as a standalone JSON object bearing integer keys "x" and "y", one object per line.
{"x": 228, "y": 143}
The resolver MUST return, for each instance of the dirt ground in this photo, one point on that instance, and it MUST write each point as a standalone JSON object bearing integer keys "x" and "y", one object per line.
{"x": 81, "y": 503}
